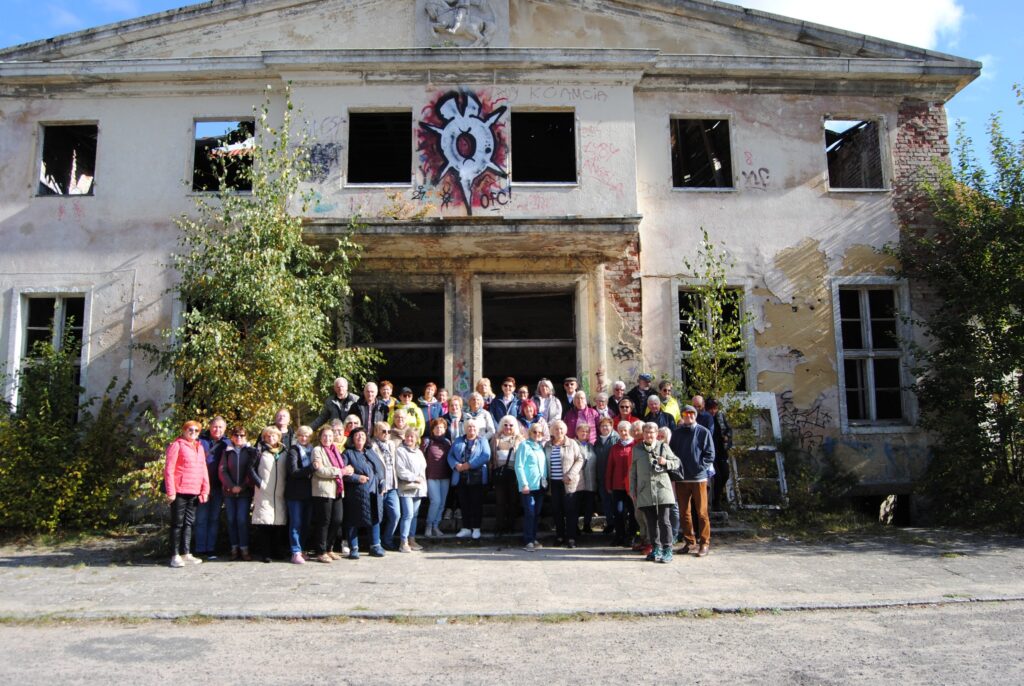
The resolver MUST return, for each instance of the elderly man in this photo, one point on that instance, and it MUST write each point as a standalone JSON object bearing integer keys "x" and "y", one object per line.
{"x": 370, "y": 409}
{"x": 337, "y": 406}
{"x": 704, "y": 417}
{"x": 618, "y": 393}
{"x": 641, "y": 392}
{"x": 571, "y": 384}
{"x": 656, "y": 414}
{"x": 694, "y": 447}
{"x": 208, "y": 513}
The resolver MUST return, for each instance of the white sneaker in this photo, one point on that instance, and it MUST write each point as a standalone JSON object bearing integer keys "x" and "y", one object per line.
{"x": 476, "y": 534}
{"x": 191, "y": 559}
{"x": 177, "y": 562}
{"x": 463, "y": 533}
{"x": 529, "y": 547}
{"x": 345, "y": 550}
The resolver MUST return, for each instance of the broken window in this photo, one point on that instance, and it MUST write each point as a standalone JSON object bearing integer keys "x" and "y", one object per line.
{"x": 380, "y": 147}
{"x": 692, "y": 312}
{"x": 854, "y": 154}
{"x": 69, "y": 159}
{"x": 55, "y": 320}
{"x": 871, "y": 355}
{"x": 544, "y": 147}
{"x": 408, "y": 329}
{"x": 223, "y": 150}
{"x": 529, "y": 335}
{"x": 701, "y": 157}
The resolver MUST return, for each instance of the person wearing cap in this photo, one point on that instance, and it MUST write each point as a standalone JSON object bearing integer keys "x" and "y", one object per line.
{"x": 413, "y": 413}
{"x": 656, "y": 414}
{"x": 669, "y": 404}
{"x": 337, "y": 406}
{"x": 641, "y": 392}
{"x": 570, "y": 385}
{"x": 694, "y": 447}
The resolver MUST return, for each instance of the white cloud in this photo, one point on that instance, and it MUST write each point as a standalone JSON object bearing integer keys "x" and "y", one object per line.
{"x": 63, "y": 19}
{"x": 919, "y": 23}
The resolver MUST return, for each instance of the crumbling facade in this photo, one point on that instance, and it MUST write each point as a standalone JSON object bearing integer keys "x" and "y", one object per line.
{"x": 532, "y": 172}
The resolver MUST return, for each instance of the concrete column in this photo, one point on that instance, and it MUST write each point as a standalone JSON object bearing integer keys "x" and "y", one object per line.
{"x": 460, "y": 336}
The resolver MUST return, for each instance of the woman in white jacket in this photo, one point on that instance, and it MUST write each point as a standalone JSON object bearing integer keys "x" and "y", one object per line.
{"x": 269, "y": 512}
{"x": 411, "y": 469}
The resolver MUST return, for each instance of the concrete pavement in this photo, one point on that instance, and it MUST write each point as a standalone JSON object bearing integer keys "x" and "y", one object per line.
{"x": 103, "y": 579}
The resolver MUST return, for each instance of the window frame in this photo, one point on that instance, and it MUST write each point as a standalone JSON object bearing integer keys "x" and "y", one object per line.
{"x": 746, "y": 285}
{"x": 705, "y": 116}
{"x": 577, "y": 147}
{"x": 884, "y": 152}
{"x": 18, "y": 326}
{"x": 901, "y": 294}
{"x": 347, "y": 183}
{"x": 41, "y": 143}
{"x": 191, "y": 169}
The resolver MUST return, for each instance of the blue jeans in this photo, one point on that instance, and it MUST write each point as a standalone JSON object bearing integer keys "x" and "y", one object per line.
{"x": 437, "y": 493}
{"x": 353, "y": 536}
{"x": 389, "y": 524}
{"x": 298, "y": 523}
{"x": 608, "y": 507}
{"x": 410, "y": 508}
{"x": 531, "y": 514}
{"x": 674, "y": 519}
{"x": 238, "y": 520}
{"x": 208, "y": 521}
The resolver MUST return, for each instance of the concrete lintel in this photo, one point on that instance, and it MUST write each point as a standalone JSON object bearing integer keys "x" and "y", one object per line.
{"x": 462, "y": 58}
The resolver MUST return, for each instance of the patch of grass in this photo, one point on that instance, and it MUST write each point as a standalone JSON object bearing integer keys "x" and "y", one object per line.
{"x": 949, "y": 554}
{"x": 197, "y": 619}
{"x": 747, "y": 611}
{"x": 955, "y": 595}
{"x": 703, "y": 613}
{"x": 810, "y": 526}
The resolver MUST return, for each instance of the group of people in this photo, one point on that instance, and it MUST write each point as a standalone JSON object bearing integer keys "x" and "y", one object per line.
{"x": 365, "y": 465}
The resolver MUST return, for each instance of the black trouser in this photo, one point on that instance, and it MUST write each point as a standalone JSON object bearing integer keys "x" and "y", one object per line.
{"x": 585, "y": 502}
{"x": 659, "y": 524}
{"x": 270, "y": 541}
{"x": 563, "y": 511}
{"x": 183, "y": 517}
{"x": 327, "y": 516}
{"x": 625, "y": 523}
{"x": 506, "y": 502}
{"x": 471, "y": 499}
{"x": 718, "y": 497}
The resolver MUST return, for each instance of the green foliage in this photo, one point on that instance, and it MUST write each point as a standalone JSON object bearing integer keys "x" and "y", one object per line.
{"x": 714, "y": 336}
{"x": 60, "y": 462}
{"x": 258, "y": 332}
{"x": 971, "y": 375}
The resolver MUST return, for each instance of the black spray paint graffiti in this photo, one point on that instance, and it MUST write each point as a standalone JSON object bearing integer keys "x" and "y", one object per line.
{"x": 757, "y": 179}
{"x": 323, "y": 157}
{"x": 466, "y": 142}
{"x": 807, "y": 426}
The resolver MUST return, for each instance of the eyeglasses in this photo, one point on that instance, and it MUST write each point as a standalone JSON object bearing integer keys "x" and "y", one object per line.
{"x": 192, "y": 431}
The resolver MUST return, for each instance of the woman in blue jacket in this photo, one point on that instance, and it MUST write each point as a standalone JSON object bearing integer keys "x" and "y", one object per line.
{"x": 364, "y": 502}
{"x": 468, "y": 459}
{"x": 531, "y": 476}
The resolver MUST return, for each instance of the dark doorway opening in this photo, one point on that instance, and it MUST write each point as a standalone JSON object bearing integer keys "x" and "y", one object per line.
{"x": 408, "y": 330}
{"x": 529, "y": 335}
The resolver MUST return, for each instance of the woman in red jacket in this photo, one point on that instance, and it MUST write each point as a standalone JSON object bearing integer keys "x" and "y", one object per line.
{"x": 187, "y": 483}
{"x": 616, "y": 480}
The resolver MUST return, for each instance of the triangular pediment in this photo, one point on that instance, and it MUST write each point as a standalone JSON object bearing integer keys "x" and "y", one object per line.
{"x": 236, "y": 28}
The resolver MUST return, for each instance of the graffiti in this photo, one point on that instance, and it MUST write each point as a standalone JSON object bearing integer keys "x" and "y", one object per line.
{"x": 807, "y": 426}
{"x": 320, "y": 207}
{"x": 748, "y": 157}
{"x": 566, "y": 93}
{"x": 598, "y": 159}
{"x": 326, "y": 130}
{"x": 61, "y": 212}
{"x": 623, "y": 353}
{"x": 323, "y": 158}
{"x": 462, "y": 386}
{"x": 419, "y": 193}
{"x": 756, "y": 179}
{"x": 495, "y": 199}
{"x": 464, "y": 143}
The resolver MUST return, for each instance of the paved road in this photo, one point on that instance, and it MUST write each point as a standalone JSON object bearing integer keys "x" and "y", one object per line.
{"x": 976, "y": 643}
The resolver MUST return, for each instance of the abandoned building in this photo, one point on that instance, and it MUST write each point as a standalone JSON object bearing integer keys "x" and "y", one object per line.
{"x": 554, "y": 163}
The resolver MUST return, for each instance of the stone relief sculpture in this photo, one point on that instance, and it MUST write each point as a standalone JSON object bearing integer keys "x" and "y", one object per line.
{"x": 461, "y": 20}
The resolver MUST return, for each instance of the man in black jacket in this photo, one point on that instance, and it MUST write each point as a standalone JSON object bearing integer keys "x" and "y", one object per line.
{"x": 370, "y": 409}
{"x": 337, "y": 406}
{"x": 694, "y": 447}
{"x": 640, "y": 393}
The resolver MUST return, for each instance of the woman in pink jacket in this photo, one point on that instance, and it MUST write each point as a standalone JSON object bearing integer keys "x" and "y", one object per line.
{"x": 187, "y": 483}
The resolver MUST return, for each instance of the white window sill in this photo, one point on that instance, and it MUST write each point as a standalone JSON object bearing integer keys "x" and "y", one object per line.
{"x": 868, "y": 429}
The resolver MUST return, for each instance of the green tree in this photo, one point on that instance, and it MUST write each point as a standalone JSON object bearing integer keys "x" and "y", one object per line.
{"x": 715, "y": 319}
{"x": 259, "y": 330}
{"x": 971, "y": 386}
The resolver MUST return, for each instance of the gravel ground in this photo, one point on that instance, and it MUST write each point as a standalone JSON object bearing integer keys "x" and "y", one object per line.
{"x": 977, "y": 643}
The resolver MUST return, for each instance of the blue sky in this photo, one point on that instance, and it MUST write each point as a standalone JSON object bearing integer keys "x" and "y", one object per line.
{"x": 985, "y": 30}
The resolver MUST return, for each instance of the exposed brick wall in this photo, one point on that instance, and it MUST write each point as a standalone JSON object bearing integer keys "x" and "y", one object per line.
{"x": 922, "y": 138}
{"x": 622, "y": 280}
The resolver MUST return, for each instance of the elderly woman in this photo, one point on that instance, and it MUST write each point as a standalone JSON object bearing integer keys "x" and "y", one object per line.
{"x": 549, "y": 408}
{"x": 565, "y": 463}
{"x": 364, "y": 503}
{"x": 329, "y": 469}
{"x": 237, "y": 476}
{"x": 616, "y": 480}
{"x": 439, "y": 475}
{"x": 586, "y": 493}
{"x": 651, "y": 488}
{"x": 531, "y": 467}
{"x": 528, "y": 417}
{"x": 429, "y": 404}
{"x": 411, "y": 467}
{"x": 601, "y": 405}
{"x": 454, "y": 418}
{"x": 298, "y": 490}
{"x": 503, "y": 459}
{"x": 606, "y": 438}
{"x": 383, "y": 443}
{"x": 476, "y": 410}
{"x": 187, "y": 483}
{"x": 351, "y": 422}
{"x": 468, "y": 459}
{"x": 580, "y": 413}
{"x": 269, "y": 513}
{"x": 625, "y": 412}
{"x": 483, "y": 387}
{"x": 656, "y": 414}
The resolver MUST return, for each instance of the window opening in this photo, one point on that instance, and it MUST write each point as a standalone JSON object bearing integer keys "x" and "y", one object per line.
{"x": 380, "y": 147}
{"x": 55, "y": 320}
{"x": 691, "y": 306}
{"x": 854, "y": 153}
{"x": 68, "y": 166}
{"x": 544, "y": 147}
{"x": 701, "y": 156}
{"x": 226, "y": 147}
{"x": 529, "y": 335}
{"x": 871, "y": 355}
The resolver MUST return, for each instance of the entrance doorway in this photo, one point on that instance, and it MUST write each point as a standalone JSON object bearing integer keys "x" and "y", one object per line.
{"x": 408, "y": 329}
{"x": 528, "y": 335}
